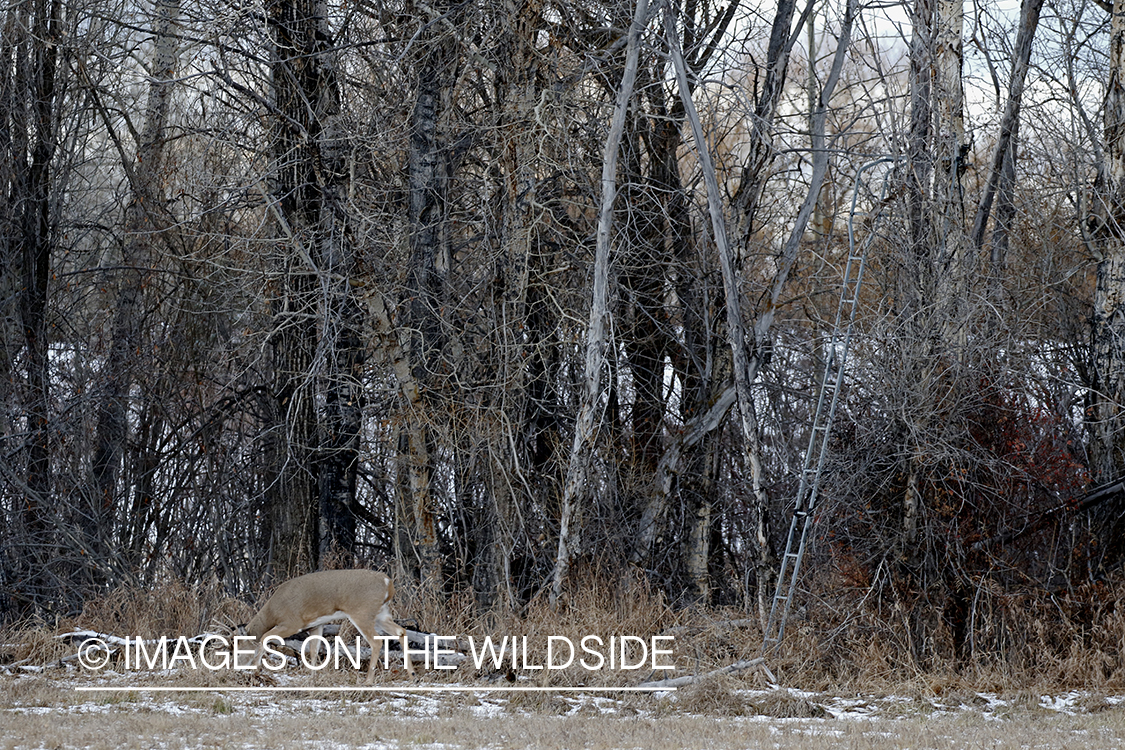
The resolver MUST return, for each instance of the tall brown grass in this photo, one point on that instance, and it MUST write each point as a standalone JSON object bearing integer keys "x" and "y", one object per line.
{"x": 1019, "y": 641}
{"x": 1054, "y": 640}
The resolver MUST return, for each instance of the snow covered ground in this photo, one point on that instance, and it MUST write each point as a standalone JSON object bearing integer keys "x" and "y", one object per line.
{"x": 63, "y": 709}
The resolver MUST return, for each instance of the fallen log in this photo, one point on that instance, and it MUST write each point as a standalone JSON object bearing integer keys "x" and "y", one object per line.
{"x": 758, "y": 663}
{"x": 716, "y": 625}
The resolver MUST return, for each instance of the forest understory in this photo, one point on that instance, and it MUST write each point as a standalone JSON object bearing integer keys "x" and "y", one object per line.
{"x": 849, "y": 644}
{"x": 845, "y": 678}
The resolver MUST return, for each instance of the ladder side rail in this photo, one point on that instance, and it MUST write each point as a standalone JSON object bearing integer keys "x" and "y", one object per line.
{"x": 807, "y": 492}
{"x": 774, "y": 622}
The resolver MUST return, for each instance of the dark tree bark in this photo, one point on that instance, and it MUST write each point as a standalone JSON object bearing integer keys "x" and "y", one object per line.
{"x": 643, "y": 263}
{"x": 308, "y": 185}
{"x": 522, "y": 222}
{"x": 755, "y": 170}
{"x": 33, "y": 194}
{"x": 344, "y": 351}
{"x": 427, "y": 189}
{"x": 14, "y": 70}
{"x": 661, "y": 251}
{"x": 338, "y": 464}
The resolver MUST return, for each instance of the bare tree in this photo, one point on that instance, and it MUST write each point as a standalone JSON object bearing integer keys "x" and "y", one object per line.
{"x": 577, "y": 488}
{"x": 427, "y": 185}
{"x": 146, "y": 217}
{"x": 309, "y": 182}
{"x": 32, "y": 85}
{"x": 1108, "y": 218}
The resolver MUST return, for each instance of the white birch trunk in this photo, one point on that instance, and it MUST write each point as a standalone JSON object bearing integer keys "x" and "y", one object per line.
{"x": 585, "y": 429}
{"x": 1108, "y": 448}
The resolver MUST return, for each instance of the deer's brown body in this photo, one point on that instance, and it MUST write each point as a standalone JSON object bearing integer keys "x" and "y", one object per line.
{"x": 313, "y": 600}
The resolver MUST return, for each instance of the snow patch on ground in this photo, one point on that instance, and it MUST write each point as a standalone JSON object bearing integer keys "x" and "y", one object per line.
{"x": 484, "y": 705}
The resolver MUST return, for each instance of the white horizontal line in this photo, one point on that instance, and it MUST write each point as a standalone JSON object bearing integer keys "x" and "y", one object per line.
{"x": 364, "y": 689}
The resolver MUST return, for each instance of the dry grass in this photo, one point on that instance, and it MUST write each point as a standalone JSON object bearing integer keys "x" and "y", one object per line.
{"x": 33, "y": 643}
{"x": 40, "y": 713}
{"x": 857, "y": 655}
{"x": 718, "y": 697}
{"x": 599, "y": 609}
{"x": 863, "y": 667}
{"x": 1052, "y": 640}
{"x": 172, "y": 609}
{"x": 780, "y": 704}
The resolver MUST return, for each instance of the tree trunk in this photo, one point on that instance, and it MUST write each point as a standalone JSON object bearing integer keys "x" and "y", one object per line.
{"x": 143, "y": 219}
{"x": 521, "y": 321}
{"x": 1002, "y": 171}
{"x": 338, "y": 463}
{"x": 34, "y": 251}
{"x": 642, "y": 263}
{"x": 1107, "y": 449}
{"x": 340, "y": 385}
{"x": 576, "y": 489}
{"x": 755, "y": 171}
{"x": 305, "y": 95}
{"x": 427, "y": 188}
{"x": 733, "y": 304}
{"x": 957, "y": 267}
{"x": 919, "y": 278}
{"x": 14, "y": 101}
{"x": 951, "y": 146}
{"x": 664, "y": 252}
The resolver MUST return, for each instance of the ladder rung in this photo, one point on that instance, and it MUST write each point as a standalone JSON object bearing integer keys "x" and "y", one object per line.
{"x": 804, "y": 506}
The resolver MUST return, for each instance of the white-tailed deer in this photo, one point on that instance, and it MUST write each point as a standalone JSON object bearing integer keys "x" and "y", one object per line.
{"x": 311, "y": 601}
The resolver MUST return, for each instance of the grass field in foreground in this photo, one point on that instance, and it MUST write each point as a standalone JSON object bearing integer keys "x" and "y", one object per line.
{"x": 47, "y": 712}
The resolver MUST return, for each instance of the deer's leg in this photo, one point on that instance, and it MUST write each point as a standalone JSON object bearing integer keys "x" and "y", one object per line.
{"x": 318, "y": 633}
{"x": 386, "y": 625}
{"x": 259, "y": 652}
{"x": 371, "y": 636}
